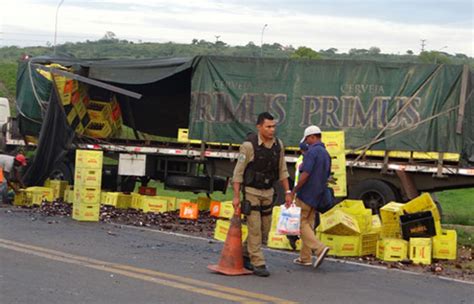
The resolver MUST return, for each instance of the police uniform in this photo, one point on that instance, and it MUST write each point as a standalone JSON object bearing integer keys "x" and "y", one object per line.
{"x": 259, "y": 165}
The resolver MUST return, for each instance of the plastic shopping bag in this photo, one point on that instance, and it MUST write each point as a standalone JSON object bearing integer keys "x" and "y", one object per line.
{"x": 289, "y": 220}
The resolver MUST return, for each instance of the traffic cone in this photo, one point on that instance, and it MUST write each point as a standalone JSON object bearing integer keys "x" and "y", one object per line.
{"x": 232, "y": 261}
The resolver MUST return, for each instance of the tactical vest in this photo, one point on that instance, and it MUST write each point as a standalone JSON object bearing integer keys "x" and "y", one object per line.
{"x": 263, "y": 170}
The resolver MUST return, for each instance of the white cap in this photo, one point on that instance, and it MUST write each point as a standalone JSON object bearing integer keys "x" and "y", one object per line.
{"x": 311, "y": 130}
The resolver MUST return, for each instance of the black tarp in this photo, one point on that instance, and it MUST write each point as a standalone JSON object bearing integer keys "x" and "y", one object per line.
{"x": 54, "y": 141}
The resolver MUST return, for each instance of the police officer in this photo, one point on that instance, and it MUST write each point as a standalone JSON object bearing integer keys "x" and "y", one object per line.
{"x": 261, "y": 162}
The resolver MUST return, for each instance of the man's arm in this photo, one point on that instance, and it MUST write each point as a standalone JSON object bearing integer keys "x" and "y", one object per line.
{"x": 238, "y": 176}
{"x": 301, "y": 181}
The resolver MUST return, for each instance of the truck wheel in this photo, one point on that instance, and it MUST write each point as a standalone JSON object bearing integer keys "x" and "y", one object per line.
{"x": 3, "y": 143}
{"x": 193, "y": 183}
{"x": 375, "y": 193}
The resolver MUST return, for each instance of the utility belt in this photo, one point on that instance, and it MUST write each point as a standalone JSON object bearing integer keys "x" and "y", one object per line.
{"x": 247, "y": 208}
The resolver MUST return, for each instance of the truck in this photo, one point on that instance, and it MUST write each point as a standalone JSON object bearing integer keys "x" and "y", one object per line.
{"x": 409, "y": 128}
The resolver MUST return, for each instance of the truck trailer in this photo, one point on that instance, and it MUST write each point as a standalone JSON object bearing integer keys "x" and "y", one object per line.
{"x": 408, "y": 127}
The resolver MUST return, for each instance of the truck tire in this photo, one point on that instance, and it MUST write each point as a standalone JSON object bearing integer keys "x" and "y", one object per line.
{"x": 375, "y": 193}
{"x": 193, "y": 183}
{"x": 3, "y": 143}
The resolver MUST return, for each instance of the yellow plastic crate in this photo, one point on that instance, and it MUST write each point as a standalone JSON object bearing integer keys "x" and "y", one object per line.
{"x": 21, "y": 198}
{"x": 376, "y": 224}
{"x": 99, "y": 110}
{"x": 119, "y": 200}
{"x": 69, "y": 194}
{"x": 275, "y": 216}
{"x": 88, "y": 177}
{"x": 222, "y": 228}
{"x": 87, "y": 195}
{"x": 445, "y": 245}
{"x": 280, "y": 241}
{"x": 338, "y": 163}
{"x": 86, "y": 212}
{"x": 97, "y": 129}
{"x": 391, "y": 213}
{"x": 338, "y": 222}
{"x": 420, "y": 250}
{"x": 136, "y": 201}
{"x": 334, "y": 141}
{"x": 203, "y": 203}
{"x": 340, "y": 188}
{"x": 391, "y": 230}
{"x": 39, "y": 194}
{"x": 103, "y": 197}
{"x": 227, "y": 210}
{"x": 184, "y": 138}
{"x": 89, "y": 159}
{"x": 59, "y": 188}
{"x": 155, "y": 204}
{"x": 424, "y": 202}
{"x": 80, "y": 109}
{"x": 363, "y": 218}
{"x": 351, "y": 204}
{"x": 368, "y": 244}
{"x": 392, "y": 250}
{"x": 342, "y": 245}
{"x": 171, "y": 202}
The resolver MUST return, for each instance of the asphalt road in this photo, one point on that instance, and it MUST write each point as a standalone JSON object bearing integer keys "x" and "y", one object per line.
{"x": 58, "y": 260}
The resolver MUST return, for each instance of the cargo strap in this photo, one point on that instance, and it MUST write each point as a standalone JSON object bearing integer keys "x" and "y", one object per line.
{"x": 264, "y": 210}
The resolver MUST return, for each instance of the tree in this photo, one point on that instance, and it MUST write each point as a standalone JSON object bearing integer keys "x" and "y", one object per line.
{"x": 330, "y": 51}
{"x": 409, "y": 52}
{"x": 305, "y": 53}
{"x": 358, "y": 52}
{"x": 433, "y": 57}
{"x": 109, "y": 36}
{"x": 374, "y": 50}
{"x": 195, "y": 41}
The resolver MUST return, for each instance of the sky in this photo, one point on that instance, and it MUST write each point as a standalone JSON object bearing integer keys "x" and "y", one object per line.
{"x": 394, "y": 26}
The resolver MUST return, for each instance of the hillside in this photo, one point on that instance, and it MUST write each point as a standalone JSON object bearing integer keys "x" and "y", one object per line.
{"x": 111, "y": 47}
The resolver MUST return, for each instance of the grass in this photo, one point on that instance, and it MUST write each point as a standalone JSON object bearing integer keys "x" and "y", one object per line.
{"x": 219, "y": 196}
{"x": 457, "y": 206}
{"x": 458, "y": 213}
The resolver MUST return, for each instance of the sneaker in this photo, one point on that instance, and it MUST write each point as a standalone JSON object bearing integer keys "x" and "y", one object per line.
{"x": 321, "y": 257}
{"x": 299, "y": 262}
{"x": 247, "y": 264}
{"x": 261, "y": 271}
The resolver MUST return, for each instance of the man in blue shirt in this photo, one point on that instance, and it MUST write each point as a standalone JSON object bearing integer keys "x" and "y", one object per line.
{"x": 310, "y": 193}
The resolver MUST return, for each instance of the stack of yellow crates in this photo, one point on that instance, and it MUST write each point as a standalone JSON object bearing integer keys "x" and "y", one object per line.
{"x": 335, "y": 145}
{"x": 87, "y": 185}
{"x": 226, "y": 212}
{"x": 421, "y": 250}
{"x": 106, "y": 118}
{"x": 73, "y": 101}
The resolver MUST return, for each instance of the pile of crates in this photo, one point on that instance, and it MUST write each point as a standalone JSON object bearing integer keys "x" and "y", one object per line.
{"x": 105, "y": 116}
{"x": 413, "y": 231}
{"x": 87, "y": 186}
{"x": 349, "y": 229}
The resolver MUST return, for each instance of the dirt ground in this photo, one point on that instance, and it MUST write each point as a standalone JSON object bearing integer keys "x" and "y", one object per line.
{"x": 462, "y": 268}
